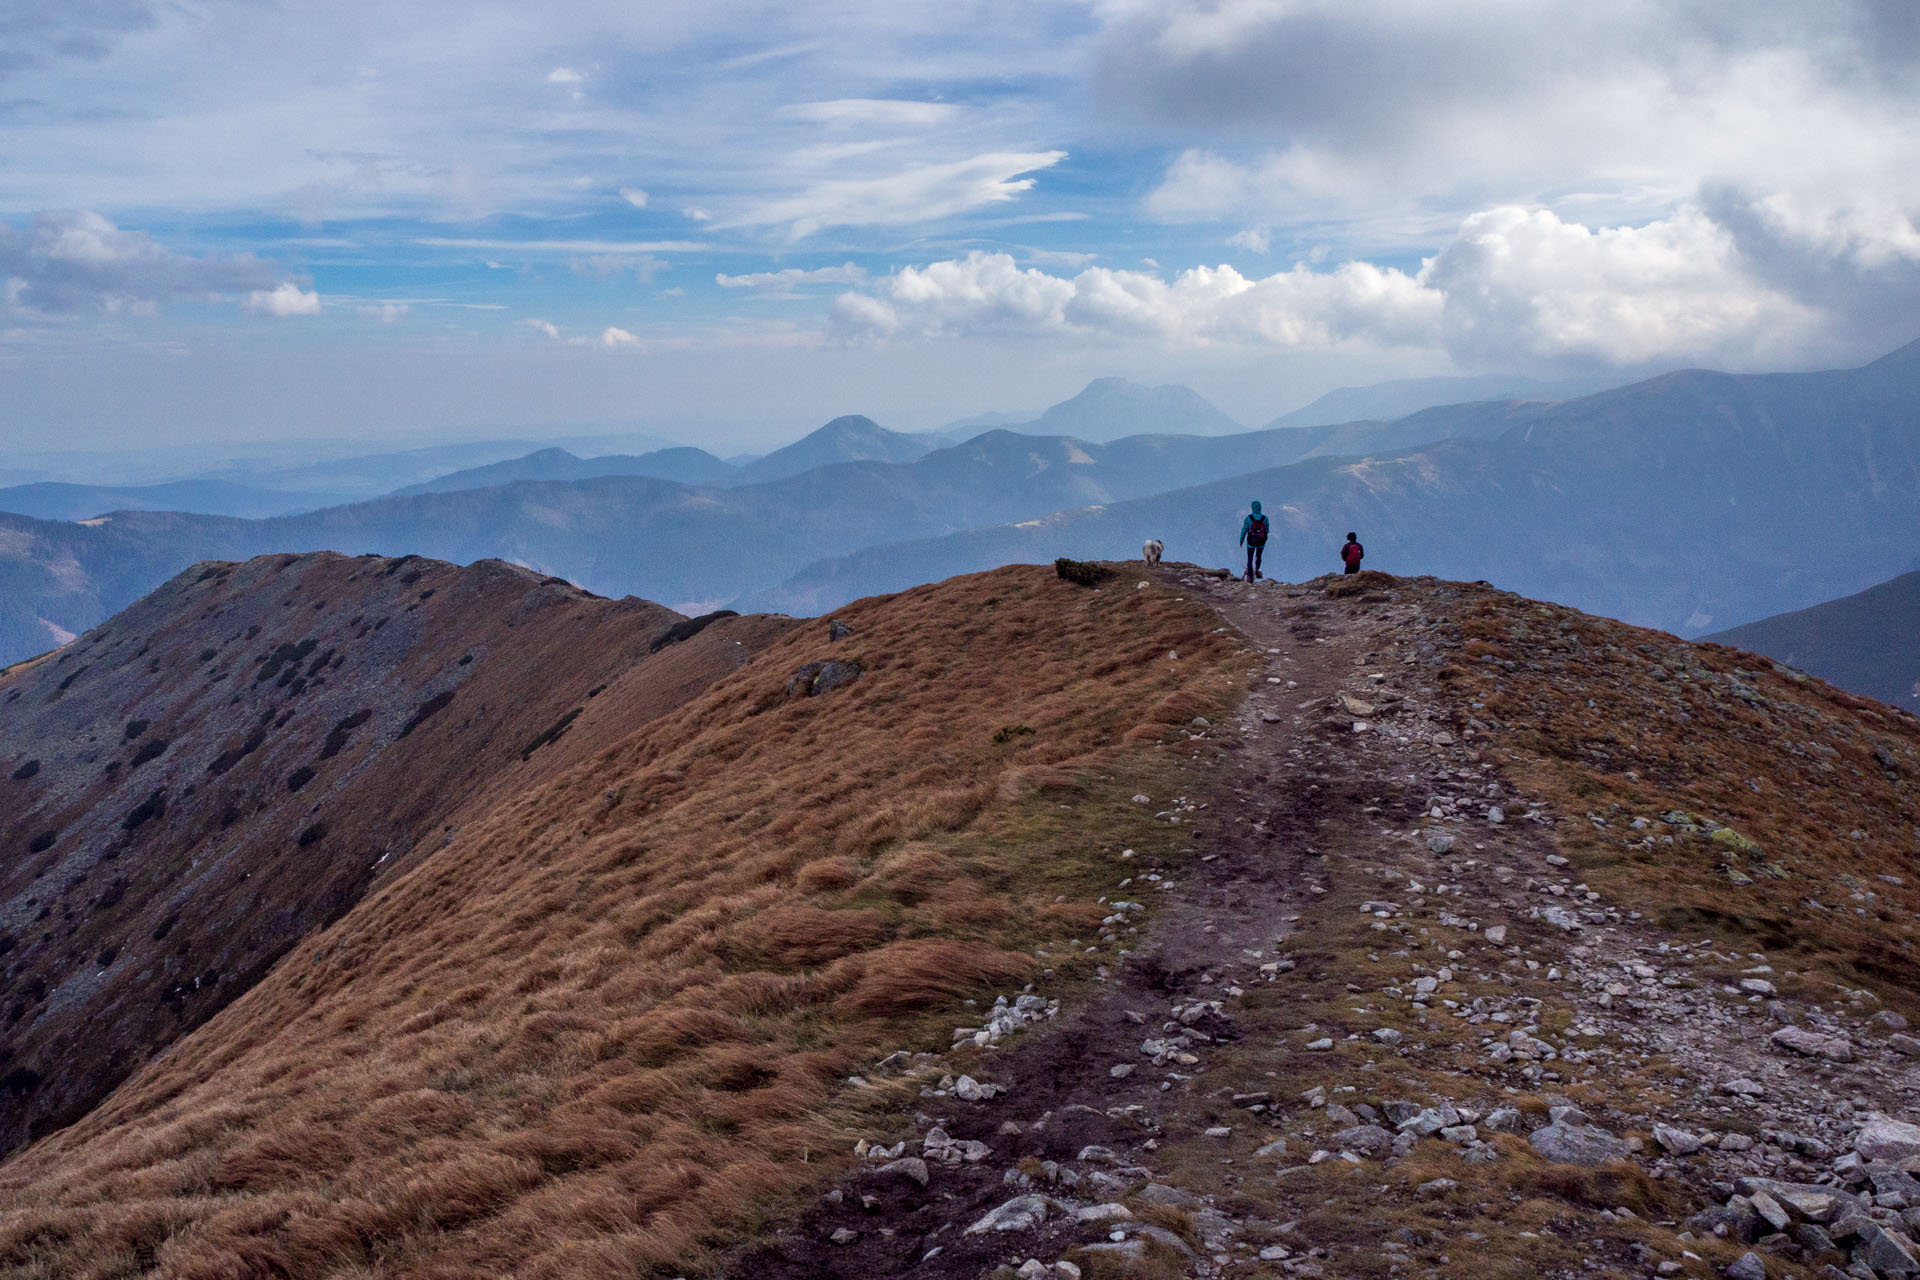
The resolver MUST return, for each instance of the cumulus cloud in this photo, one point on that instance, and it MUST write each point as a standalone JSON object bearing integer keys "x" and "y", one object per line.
{"x": 990, "y": 292}
{"x": 786, "y": 283}
{"x": 547, "y": 327}
{"x": 284, "y": 299}
{"x": 922, "y": 193}
{"x": 71, "y": 262}
{"x": 1392, "y": 120}
{"x": 612, "y": 337}
{"x": 634, "y": 196}
{"x": 1513, "y": 285}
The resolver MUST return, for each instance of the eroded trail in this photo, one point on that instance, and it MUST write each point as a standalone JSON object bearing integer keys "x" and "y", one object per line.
{"x": 1374, "y": 1025}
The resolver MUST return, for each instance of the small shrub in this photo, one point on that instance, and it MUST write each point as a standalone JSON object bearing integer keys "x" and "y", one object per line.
{"x": 431, "y": 707}
{"x": 551, "y": 734}
{"x": 1083, "y": 573}
{"x": 312, "y": 835}
{"x": 338, "y": 735}
{"x": 300, "y": 777}
{"x": 26, "y": 771}
{"x": 135, "y": 728}
{"x": 150, "y": 749}
{"x": 1007, "y": 733}
{"x": 146, "y": 811}
{"x": 688, "y": 628}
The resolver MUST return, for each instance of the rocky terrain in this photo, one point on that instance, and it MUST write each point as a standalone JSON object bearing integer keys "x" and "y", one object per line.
{"x": 236, "y": 760}
{"x": 1172, "y": 926}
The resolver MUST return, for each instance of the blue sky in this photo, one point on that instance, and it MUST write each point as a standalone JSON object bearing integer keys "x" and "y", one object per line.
{"x": 220, "y": 218}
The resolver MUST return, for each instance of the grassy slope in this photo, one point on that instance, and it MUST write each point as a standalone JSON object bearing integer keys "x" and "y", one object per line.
{"x": 604, "y": 1030}
{"x": 1819, "y": 784}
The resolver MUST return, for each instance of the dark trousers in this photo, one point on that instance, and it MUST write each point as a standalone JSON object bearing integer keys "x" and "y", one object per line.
{"x": 1254, "y": 553}
{"x": 1353, "y": 566}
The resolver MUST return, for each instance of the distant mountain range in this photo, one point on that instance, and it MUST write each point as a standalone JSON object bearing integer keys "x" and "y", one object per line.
{"x": 1685, "y": 501}
{"x": 1867, "y": 643}
{"x": 52, "y": 501}
{"x": 1682, "y": 501}
{"x": 1387, "y": 400}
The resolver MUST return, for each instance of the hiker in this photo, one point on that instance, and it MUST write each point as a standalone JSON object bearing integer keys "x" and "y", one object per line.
{"x": 1253, "y": 535}
{"x": 1352, "y": 554}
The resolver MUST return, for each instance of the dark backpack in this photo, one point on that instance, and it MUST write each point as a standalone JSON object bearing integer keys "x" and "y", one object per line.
{"x": 1257, "y": 532}
{"x": 1352, "y": 553}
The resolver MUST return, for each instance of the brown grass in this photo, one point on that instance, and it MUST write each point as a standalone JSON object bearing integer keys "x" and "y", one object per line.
{"x": 607, "y": 1029}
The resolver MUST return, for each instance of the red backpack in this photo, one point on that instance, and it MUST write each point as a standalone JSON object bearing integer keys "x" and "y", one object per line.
{"x": 1352, "y": 553}
{"x": 1257, "y": 532}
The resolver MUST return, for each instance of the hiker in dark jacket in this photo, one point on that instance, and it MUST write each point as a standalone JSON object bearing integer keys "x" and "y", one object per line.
{"x": 1352, "y": 554}
{"x": 1253, "y": 536}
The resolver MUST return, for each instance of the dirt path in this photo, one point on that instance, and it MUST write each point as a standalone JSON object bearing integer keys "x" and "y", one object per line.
{"x": 1358, "y": 1022}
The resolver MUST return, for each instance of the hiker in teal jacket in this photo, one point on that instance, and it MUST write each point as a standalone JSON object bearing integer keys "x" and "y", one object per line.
{"x": 1253, "y": 536}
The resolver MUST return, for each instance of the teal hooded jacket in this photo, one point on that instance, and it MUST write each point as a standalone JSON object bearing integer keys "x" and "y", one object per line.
{"x": 1246, "y": 525}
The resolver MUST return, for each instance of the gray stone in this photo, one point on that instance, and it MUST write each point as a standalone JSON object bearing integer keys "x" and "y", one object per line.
{"x": 1364, "y": 1139}
{"x": 844, "y": 1235}
{"x": 1771, "y": 1211}
{"x": 1577, "y": 1144}
{"x": 822, "y": 677}
{"x": 1439, "y": 842}
{"x": 1109, "y": 1212}
{"x": 1814, "y": 1045}
{"x": 1502, "y": 1120}
{"x": 1884, "y": 1252}
{"x": 1435, "y": 1187}
{"x": 1803, "y": 1199}
{"x": 1170, "y": 1197}
{"x": 1747, "y": 1267}
{"x": 1677, "y": 1141}
{"x": 1496, "y": 934}
{"x": 1459, "y": 1135}
{"x": 838, "y": 630}
{"x": 1744, "y": 1088}
{"x": 1904, "y": 1044}
{"x": 1022, "y": 1213}
{"x": 1811, "y": 1237}
{"x": 1887, "y": 1140}
{"x": 906, "y": 1167}
{"x": 1278, "y": 1147}
{"x": 1430, "y": 1121}
{"x": 1126, "y": 1253}
{"x": 1890, "y": 1020}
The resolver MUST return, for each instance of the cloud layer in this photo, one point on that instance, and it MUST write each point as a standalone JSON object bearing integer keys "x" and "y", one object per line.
{"x": 74, "y": 262}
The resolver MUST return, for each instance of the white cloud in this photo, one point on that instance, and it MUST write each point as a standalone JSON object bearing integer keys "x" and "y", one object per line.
{"x": 565, "y": 75}
{"x": 547, "y": 327}
{"x": 1253, "y": 240}
{"x": 385, "y": 312}
{"x": 70, "y": 262}
{"x": 284, "y": 299}
{"x": 1514, "y": 285}
{"x": 923, "y": 193}
{"x": 785, "y": 283}
{"x": 611, "y": 337}
{"x": 634, "y": 196}
{"x": 883, "y": 112}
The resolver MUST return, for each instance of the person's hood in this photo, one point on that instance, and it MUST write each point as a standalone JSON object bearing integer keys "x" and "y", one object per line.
{"x": 1256, "y": 508}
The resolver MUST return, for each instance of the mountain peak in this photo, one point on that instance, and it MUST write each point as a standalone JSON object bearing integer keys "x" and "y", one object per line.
{"x": 1111, "y": 408}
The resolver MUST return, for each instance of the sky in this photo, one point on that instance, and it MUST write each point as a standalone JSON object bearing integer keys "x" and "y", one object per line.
{"x": 729, "y": 221}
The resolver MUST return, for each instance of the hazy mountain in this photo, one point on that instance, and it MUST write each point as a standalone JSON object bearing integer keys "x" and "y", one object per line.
{"x": 1110, "y": 408}
{"x": 966, "y": 428}
{"x": 1868, "y": 643}
{"x": 1677, "y": 501}
{"x": 374, "y": 474}
{"x": 851, "y": 438}
{"x": 1383, "y": 401}
{"x": 49, "y": 501}
{"x": 685, "y": 465}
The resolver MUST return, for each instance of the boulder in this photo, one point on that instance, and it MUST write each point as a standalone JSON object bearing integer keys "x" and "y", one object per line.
{"x": 1577, "y": 1144}
{"x": 1814, "y": 1045}
{"x": 1364, "y": 1139}
{"x": 1747, "y": 1267}
{"x": 1022, "y": 1213}
{"x": 1677, "y": 1141}
{"x": 906, "y": 1167}
{"x": 1887, "y": 1140}
{"x": 1885, "y": 1252}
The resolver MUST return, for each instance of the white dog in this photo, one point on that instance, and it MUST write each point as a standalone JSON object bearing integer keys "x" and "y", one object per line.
{"x": 1151, "y": 550}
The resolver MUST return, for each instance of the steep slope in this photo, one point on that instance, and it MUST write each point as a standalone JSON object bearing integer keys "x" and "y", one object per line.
{"x": 1868, "y": 643}
{"x": 681, "y": 465}
{"x": 605, "y": 1027}
{"x": 49, "y": 501}
{"x": 232, "y": 762}
{"x": 1480, "y": 938}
